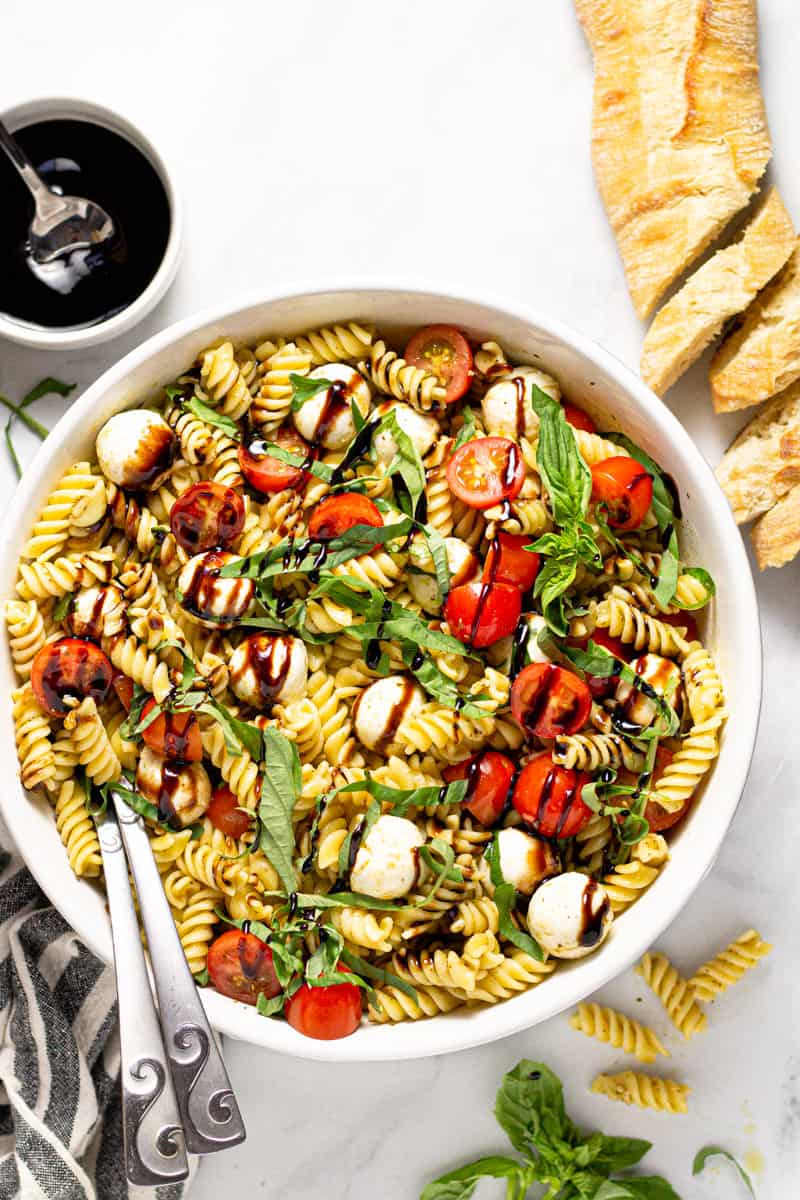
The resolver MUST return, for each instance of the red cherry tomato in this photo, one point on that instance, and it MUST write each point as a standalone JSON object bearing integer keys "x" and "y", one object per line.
{"x": 659, "y": 818}
{"x": 175, "y": 735}
{"x": 123, "y": 686}
{"x": 550, "y": 701}
{"x": 683, "y": 619}
{"x": 70, "y": 668}
{"x": 489, "y": 777}
{"x": 240, "y": 966}
{"x": 445, "y": 352}
{"x": 267, "y": 474}
{"x": 225, "y": 814}
{"x": 207, "y": 516}
{"x": 325, "y": 1013}
{"x": 507, "y": 561}
{"x": 486, "y": 471}
{"x": 579, "y": 419}
{"x": 479, "y": 614}
{"x": 625, "y": 488}
{"x": 548, "y": 798}
{"x": 334, "y": 515}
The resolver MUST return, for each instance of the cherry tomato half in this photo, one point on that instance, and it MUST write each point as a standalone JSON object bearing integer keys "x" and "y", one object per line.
{"x": 625, "y": 488}
{"x": 208, "y": 516}
{"x": 70, "y": 668}
{"x": 578, "y": 419}
{"x": 486, "y": 471}
{"x": 267, "y": 474}
{"x": 225, "y": 814}
{"x": 548, "y": 798}
{"x": 479, "y": 614}
{"x": 334, "y": 515}
{"x": 550, "y": 701}
{"x": 489, "y": 777}
{"x": 325, "y": 1013}
{"x": 123, "y": 686}
{"x": 175, "y": 735}
{"x": 240, "y": 966}
{"x": 445, "y": 352}
{"x": 507, "y": 561}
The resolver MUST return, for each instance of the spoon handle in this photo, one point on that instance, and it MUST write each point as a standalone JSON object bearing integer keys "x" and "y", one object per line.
{"x": 47, "y": 202}
{"x": 209, "y": 1112}
{"x": 151, "y": 1124}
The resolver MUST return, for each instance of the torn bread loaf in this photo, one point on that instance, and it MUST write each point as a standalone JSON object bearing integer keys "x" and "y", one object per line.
{"x": 763, "y": 463}
{"x": 679, "y": 133}
{"x": 719, "y": 290}
{"x": 776, "y": 535}
{"x": 763, "y": 356}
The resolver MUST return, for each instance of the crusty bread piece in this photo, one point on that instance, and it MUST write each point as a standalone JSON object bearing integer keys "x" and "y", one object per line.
{"x": 763, "y": 463}
{"x": 776, "y": 535}
{"x": 763, "y": 356}
{"x": 680, "y": 136}
{"x": 721, "y": 288}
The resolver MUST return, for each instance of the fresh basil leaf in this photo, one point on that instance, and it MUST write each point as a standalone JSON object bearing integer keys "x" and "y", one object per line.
{"x": 461, "y": 1184}
{"x": 669, "y": 568}
{"x": 382, "y": 975}
{"x": 138, "y": 803}
{"x": 436, "y": 683}
{"x": 358, "y": 833}
{"x": 553, "y": 579}
{"x": 708, "y": 583}
{"x": 323, "y": 900}
{"x": 438, "y": 552}
{"x": 212, "y": 417}
{"x": 566, "y": 476}
{"x": 201, "y": 978}
{"x": 400, "y": 799}
{"x": 305, "y": 555}
{"x": 707, "y": 1152}
{"x": 406, "y": 463}
{"x": 617, "y": 1153}
{"x": 505, "y": 895}
{"x": 640, "y": 1187}
{"x": 596, "y": 660}
{"x": 62, "y": 607}
{"x": 467, "y": 431}
{"x": 271, "y": 1007}
{"x": 530, "y": 1108}
{"x": 239, "y": 735}
{"x": 304, "y": 389}
{"x": 188, "y": 673}
{"x": 439, "y": 857}
{"x": 47, "y": 387}
{"x": 280, "y": 788}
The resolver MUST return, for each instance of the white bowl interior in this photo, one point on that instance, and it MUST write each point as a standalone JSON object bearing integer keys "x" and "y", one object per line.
{"x": 617, "y": 399}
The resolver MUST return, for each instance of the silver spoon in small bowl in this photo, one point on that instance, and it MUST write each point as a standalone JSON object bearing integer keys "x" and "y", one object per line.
{"x": 68, "y": 235}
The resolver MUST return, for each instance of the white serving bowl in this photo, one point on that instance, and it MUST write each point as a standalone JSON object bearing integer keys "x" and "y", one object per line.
{"x": 61, "y": 108}
{"x": 591, "y": 377}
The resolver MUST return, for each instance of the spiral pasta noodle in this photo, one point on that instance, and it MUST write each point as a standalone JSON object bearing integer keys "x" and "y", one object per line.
{"x": 591, "y": 751}
{"x": 26, "y": 633}
{"x": 91, "y": 743}
{"x": 392, "y": 375}
{"x": 674, "y": 992}
{"x": 273, "y": 401}
{"x": 77, "y": 830}
{"x": 644, "y": 632}
{"x": 336, "y": 343}
{"x": 32, "y": 733}
{"x": 726, "y": 968}
{"x": 645, "y": 1091}
{"x": 223, "y": 380}
{"x": 618, "y": 1030}
{"x": 680, "y": 778}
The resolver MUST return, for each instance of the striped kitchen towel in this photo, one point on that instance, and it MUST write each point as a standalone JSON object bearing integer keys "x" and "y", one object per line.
{"x": 60, "y": 1113}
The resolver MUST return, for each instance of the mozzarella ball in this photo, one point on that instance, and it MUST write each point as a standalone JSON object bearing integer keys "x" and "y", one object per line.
{"x": 268, "y": 670}
{"x": 381, "y": 707}
{"x": 326, "y": 420}
{"x": 663, "y": 676}
{"x": 135, "y": 449}
{"x": 507, "y": 407}
{"x": 209, "y": 599}
{"x": 525, "y": 860}
{"x": 462, "y": 563}
{"x": 423, "y": 430}
{"x": 181, "y": 793}
{"x": 96, "y": 611}
{"x": 570, "y": 915}
{"x": 387, "y": 862}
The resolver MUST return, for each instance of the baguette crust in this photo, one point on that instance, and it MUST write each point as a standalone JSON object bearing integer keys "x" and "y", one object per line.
{"x": 763, "y": 356}
{"x": 776, "y": 535}
{"x": 763, "y": 463}
{"x": 679, "y": 133}
{"x": 720, "y": 289}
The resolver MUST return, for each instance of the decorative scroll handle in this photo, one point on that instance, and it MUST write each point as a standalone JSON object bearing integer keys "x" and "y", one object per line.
{"x": 208, "y": 1108}
{"x": 154, "y": 1148}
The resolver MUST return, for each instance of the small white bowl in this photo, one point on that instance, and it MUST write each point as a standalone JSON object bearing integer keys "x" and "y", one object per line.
{"x": 591, "y": 377}
{"x": 61, "y": 108}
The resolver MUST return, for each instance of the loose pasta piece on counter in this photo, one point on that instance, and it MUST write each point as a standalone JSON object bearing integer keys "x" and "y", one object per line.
{"x": 726, "y": 968}
{"x": 645, "y": 1091}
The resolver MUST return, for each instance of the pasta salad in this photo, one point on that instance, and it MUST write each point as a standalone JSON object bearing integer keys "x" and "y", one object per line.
{"x": 398, "y": 655}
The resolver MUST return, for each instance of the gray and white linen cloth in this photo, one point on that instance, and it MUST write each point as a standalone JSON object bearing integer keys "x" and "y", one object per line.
{"x": 60, "y": 1110}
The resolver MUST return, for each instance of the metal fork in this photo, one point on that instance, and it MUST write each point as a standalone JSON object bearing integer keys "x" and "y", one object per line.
{"x": 176, "y": 1094}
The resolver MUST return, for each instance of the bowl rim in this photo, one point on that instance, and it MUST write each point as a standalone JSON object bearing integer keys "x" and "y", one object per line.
{"x": 58, "y": 108}
{"x": 447, "y": 1034}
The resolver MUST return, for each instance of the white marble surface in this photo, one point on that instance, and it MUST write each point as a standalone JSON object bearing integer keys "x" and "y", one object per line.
{"x": 451, "y": 139}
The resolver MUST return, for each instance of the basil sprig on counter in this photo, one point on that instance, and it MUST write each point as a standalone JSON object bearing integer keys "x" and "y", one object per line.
{"x": 569, "y": 485}
{"x": 707, "y": 1152}
{"x": 554, "y": 1152}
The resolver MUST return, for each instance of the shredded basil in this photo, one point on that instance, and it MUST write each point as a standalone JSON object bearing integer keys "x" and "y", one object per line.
{"x": 304, "y": 389}
{"x": 505, "y": 895}
{"x": 212, "y": 416}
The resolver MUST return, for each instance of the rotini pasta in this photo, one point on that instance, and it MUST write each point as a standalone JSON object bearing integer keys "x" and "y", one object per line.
{"x": 618, "y": 1030}
{"x": 674, "y": 992}
{"x": 646, "y": 1091}
{"x": 726, "y": 968}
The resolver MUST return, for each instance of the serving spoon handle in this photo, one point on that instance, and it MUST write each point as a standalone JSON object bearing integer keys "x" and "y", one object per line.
{"x": 209, "y": 1112}
{"x": 46, "y": 201}
{"x": 154, "y": 1148}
